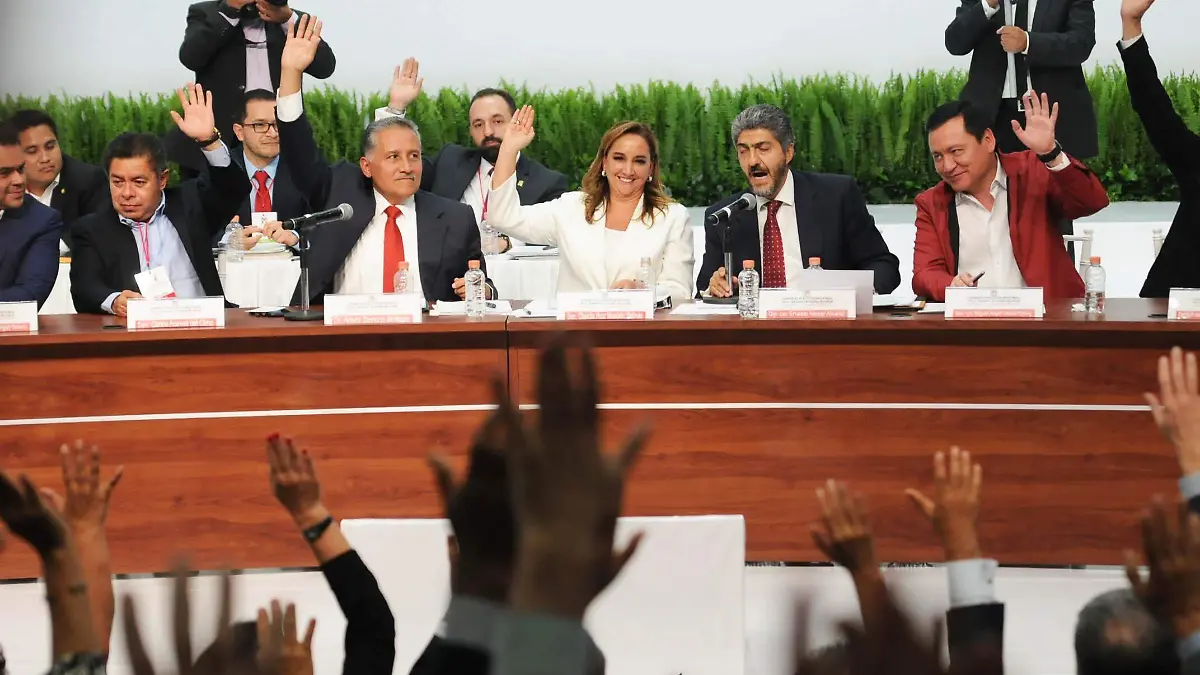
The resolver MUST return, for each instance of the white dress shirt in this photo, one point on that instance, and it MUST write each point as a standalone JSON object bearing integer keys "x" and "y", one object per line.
{"x": 789, "y": 229}
{"x": 984, "y": 242}
{"x": 586, "y": 262}
{"x": 477, "y": 191}
{"x": 363, "y": 270}
{"x": 48, "y": 195}
{"x": 1010, "y": 78}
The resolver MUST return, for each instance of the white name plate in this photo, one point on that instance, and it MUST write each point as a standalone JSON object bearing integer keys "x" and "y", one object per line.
{"x": 811, "y": 304}
{"x": 146, "y": 314}
{"x": 1182, "y": 305}
{"x": 994, "y": 303}
{"x": 635, "y": 305}
{"x": 373, "y": 309}
{"x": 18, "y": 317}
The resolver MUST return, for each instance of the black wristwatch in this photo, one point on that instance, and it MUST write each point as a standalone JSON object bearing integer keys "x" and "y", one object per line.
{"x": 314, "y": 533}
{"x": 207, "y": 142}
{"x": 1052, "y": 155}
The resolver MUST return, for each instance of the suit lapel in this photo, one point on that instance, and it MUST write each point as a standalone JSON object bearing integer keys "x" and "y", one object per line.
{"x": 743, "y": 227}
{"x": 431, "y": 236}
{"x": 808, "y": 221}
{"x": 952, "y": 226}
{"x": 460, "y": 179}
{"x": 523, "y": 183}
{"x": 128, "y": 262}
{"x": 176, "y": 212}
{"x": 59, "y": 198}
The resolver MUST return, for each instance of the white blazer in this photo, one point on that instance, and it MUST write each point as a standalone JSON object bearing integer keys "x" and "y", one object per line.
{"x": 583, "y": 265}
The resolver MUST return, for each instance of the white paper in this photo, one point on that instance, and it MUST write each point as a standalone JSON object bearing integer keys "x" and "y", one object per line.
{"x": 894, "y": 300}
{"x": 537, "y": 309}
{"x": 705, "y": 309}
{"x": 933, "y": 308}
{"x": 494, "y": 307}
{"x": 18, "y": 317}
{"x": 155, "y": 283}
{"x": 260, "y": 218}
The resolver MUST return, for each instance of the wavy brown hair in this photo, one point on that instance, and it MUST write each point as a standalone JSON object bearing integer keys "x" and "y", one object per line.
{"x": 595, "y": 186}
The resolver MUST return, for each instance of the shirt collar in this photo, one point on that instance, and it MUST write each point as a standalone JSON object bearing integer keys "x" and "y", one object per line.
{"x": 1000, "y": 182}
{"x": 162, "y": 206}
{"x": 271, "y": 168}
{"x": 787, "y": 193}
{"x": 381, "y": 204}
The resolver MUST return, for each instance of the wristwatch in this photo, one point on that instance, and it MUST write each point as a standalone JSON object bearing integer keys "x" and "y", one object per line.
{"x": 314, "y": 533}
{"x": 1052, "y": 155}
{"x": 209, "y": 141}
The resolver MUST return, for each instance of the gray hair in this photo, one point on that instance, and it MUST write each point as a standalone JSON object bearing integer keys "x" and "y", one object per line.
{"x": 1116, "y": 634}
{"x": 765, "y": 116}
{"x": 371, "y": 133}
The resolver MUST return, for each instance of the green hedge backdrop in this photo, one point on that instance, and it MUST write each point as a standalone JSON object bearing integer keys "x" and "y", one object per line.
{"x": 843, "y": 124}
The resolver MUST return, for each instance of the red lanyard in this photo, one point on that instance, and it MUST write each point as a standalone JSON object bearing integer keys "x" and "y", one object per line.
{"x": 144, "y": 234}
{"x": 483, "y": 194}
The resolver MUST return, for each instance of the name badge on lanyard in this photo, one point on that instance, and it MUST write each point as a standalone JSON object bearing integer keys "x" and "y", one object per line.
{"x": 153, "y": 282}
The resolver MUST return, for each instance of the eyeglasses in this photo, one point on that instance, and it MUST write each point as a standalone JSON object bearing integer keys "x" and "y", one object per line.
{"x": 263, "y": 127}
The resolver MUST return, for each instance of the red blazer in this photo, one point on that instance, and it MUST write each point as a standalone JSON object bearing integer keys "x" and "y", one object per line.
{"x": 1038, "y": 199}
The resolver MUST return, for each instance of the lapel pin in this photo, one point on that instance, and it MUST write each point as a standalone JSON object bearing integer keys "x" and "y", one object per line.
{"x": 520, "y": 183}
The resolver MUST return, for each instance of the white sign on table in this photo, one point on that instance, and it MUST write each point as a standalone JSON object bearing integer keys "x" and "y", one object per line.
{"x": 146, "y": 314}
{"x": 964, "y": 302}
{"x": 372, "y": 309}
{"x": 778, "y": 303}
{"x": 635, "y": 305}
{"x": 18, "y": 317}
{"x": 1184, "y": 304}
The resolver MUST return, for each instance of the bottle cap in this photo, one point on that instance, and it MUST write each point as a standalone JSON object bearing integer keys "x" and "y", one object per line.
{"x": 1095, "y": 260}
{"x": 747, "y": 264}
{"x": 402, "y": 265}
{"x": 814, "y": 261}
{"x": 472, "y": 264}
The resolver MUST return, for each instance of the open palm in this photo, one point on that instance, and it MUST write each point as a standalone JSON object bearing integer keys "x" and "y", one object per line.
{"x": 520, "y": 131}
{"x": 1040, "y": 119}
{"x": 406, "y": 84}
{"x": 197, "y": 120}
{"x": 1135, "y": 9}
{"x": 302, "y": 42}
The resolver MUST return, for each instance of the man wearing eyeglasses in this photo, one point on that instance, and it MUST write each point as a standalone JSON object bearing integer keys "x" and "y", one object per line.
{"x": 272, "y": 195}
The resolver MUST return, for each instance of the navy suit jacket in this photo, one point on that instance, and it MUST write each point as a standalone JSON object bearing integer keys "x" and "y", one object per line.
{"x": 29, "y": 252}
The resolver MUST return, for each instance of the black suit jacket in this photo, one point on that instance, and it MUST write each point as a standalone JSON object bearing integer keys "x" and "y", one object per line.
{"x": 286, "y": 199}
{"x": 975, "y": 637}
{"x": 451, "y": 170}
{"x": 833, "y": 223}
{"x": 1060, "y": 40}
{"x": 1178, "y": 264}
{"x": 82, "y": 190}
{"x": 447, "y": 234}
{"x": 105, "y": 258}
{"x": 370, "y": 638}
{"x": 29, "y": 252}
{"x": 447, "y": 658}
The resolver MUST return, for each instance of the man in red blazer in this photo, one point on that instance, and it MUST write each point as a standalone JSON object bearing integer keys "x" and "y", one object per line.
{"x": 992, "y": 221}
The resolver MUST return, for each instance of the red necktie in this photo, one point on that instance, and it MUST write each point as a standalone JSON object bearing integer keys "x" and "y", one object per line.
{"x": 393, "y": 249}
{"x": 774, "y": 273}
{"x": 262, "y": 196}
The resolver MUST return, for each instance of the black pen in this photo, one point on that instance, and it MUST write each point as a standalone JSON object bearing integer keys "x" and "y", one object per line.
{"x": 975, "y": 281}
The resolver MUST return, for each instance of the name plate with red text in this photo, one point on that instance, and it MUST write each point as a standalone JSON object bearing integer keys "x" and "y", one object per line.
{"x": 837, "y": 303}
{"x": 1184, "y": 304}
{"x": 611, "y": 305}
{"x": 18, "y": 317}
{"x": 373, "y": 309}
{"x": 994, "y": 303}
{"x": 171, "y": 313}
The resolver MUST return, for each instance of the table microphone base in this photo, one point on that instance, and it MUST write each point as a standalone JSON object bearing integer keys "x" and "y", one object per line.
{"x": 720, "y": 301}
{"x": 303, "y": 315}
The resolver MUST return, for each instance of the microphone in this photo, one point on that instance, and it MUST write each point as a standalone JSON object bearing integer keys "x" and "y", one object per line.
{"x": 342, "y": 212}
{"x": 744, "y": 202}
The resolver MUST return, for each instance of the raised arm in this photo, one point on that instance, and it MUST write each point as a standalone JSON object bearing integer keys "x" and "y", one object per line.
{"x": 972, "y": 23}
{"x": 1075, "y": 191}
{"x": 210, "y": 27}
{"x": 1176, "y": 410}
{"x": 845, "y": 538}
{"x": 224, "y": 188}
{"x": 536, "y": 222}
{"x": 1067, "y": 48}
{"x": 310, "y": 172}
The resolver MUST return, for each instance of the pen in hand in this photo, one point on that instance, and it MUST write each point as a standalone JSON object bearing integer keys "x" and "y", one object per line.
{"x": 975, "y": 280}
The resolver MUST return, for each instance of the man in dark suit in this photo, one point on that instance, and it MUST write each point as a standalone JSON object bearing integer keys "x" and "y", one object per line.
{"x": 390, "y": 211}
{"x": 799, "y": 215}
{"x": 150, "y": 226}
{"x": 1179, "y": 148}
{"x": 28, "y": 230}
{"x": 462, "y": 174}
{"x": 69, "y": 186}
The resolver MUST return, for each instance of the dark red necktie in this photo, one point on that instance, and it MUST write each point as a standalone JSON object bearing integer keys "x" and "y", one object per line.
{"x": 262, "y": 196}
{"x": 393, "y": 248}
{"x": 774, "y": 270}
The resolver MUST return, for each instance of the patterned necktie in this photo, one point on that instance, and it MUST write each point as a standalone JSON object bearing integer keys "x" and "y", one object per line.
{"x": 393, "y": 249}
{"x": 774, "y": 270}
{"x": 262, "y": 196}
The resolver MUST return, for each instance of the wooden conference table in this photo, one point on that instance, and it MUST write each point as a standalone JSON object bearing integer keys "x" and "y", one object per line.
{"x": 749, "y": 417}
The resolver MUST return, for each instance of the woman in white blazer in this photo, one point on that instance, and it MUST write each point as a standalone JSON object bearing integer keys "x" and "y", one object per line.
{"x": 603, "y": 231}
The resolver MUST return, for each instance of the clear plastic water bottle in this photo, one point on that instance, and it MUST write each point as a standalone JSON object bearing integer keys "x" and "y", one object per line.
{"x": 814, "y": 263}
{"x": 645, "y": 275}
{"x": 1093, "y": 282}
{"x": 400, "y": 281}
{"x": 747, "y": 303}
{"x": 476, "y": 306}
{"x": 489, "y": 239}
{"x": 233, "y": 242}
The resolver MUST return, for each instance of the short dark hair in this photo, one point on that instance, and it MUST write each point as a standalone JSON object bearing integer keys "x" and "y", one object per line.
{"x": 252, "y": 96}
{"x": 29, "y": 118}
{"x": 1117, "y": 635}
{"x": 491, "y": 91}
{"x": 129, "y": 145}
{"x": 244, "y": 638}
{"x": 9, "y": 135}
{"x": 974, "y": 120}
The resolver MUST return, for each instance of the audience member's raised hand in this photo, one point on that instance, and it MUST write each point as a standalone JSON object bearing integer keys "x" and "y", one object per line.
{"x": 1040, "y": 120}
{"x": 294, "y": 481}
{"x": 85, "y": 499}
{"x": 1171, "y": 540}
{"x": 280, "y": 649}
{"x": 198, "y": 121}
{"x": 300, "y": 50}
{"x": 30, "y": 517}
{"x": 181, "y": 624}
{"x": 954, "y": 508}
{"x": 845, "y": 533}
{"x": 567, "y": 492}
{"x": 1176, "y": 407}
{"x": 520, "y": 130}
{"x": 480, "y": 508}
{"x": 406, "y": 84}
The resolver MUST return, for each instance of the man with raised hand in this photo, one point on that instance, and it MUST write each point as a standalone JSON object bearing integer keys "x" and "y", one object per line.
{"x": 1176, "y": 410}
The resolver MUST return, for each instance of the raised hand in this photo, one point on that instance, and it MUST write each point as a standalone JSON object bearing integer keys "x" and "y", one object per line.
{"x": 280, "y": 651}
{"x": 520, "y": 130}
{"x": 29, "y": 517}
{"x": 406, "y": 84}
{"x": 1135, "y": 9}
{"x": 1176, "y": 407}
{"x": 86, "y": 500}
{"x": 301, "y": 47}
{"x": 222, "y": 661}
{"x": 294, "y": 481}
{"x": 1040, "y": 119}
{"x": 955, "y": 504}
{"x": 197, "y": 121}
{"x": 845, "y": 533}
{"x": 1171, "y": 539}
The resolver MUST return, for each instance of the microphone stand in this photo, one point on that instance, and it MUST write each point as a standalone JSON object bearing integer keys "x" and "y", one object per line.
{"x": 727, "y": 249}
{"x": 306, "y": 312}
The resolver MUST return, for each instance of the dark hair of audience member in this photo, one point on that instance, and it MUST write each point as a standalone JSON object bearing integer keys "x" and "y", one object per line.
{"x": 9, "y": 135}
{"x": 245, "y": 651}
{"x": 130, "y": 145}
{"x": 252, "y": 96}
{"x": 28, "y": 119}
{"x": 975, "y": 121}
{"x": 508, "y": 98}
{"x": 1117, "y": 635}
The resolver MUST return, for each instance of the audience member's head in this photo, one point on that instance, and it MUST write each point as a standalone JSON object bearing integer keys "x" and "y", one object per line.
{"x": 257, "y": 128}
{"x": 829, "y": 660}
{"x": 765, "y": 146}
{"x": 12, "y": 168}
{"x": 245, "y": 651}
{"x": 626, "y": 167}
{"x": 39, "y": 142}
{"x": 1117, "y": 635}
{"x": 137, "y": 174}
{"x": 490, "y": 112}
{"x": 963, "y": 146}
{"x": 391, "y": 158}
